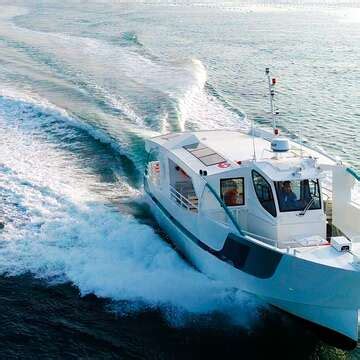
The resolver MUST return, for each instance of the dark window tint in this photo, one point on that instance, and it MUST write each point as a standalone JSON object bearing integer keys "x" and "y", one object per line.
{"x": 232, "y": 191}
{"x": 264, "y": 193}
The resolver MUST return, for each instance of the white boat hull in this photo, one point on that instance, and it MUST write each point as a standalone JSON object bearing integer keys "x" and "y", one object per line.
{"x": 343, "y": 321}
{"x": 329, "y": 297}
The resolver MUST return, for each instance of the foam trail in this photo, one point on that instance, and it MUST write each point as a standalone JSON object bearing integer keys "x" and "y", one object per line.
{"x": 178, "y": 86}
{"x": 198, "y": 108}
{"x": 112, "y": 255}
{"x": 69, "y": 233}
{"x": 194, "y": 90}
{"x": 107, "y": 73}
{"x": 15, "y": 104}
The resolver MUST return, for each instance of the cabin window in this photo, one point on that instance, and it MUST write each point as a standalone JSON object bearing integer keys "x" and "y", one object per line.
{"x": 153, "y": 168}
{"x": 181, "y": 188}
{"x": 298, "y": 195}
{"x": 232, "y": 191}
{"x": 264, "y": 193}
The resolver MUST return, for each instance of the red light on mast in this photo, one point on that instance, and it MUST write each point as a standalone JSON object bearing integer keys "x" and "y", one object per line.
{"x": 273, "y": 81}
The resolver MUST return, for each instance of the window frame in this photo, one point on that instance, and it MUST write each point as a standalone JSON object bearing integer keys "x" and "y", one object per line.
{"x": 253, "y": 172}
{"x": 297, "y": 210}
{"x": 243, "y": 188}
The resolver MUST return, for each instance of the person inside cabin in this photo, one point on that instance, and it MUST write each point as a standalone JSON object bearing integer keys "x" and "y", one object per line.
{"x": 231, "y": 195}
{"x": 287, "y": 197}
{"x": 182, "y": 174}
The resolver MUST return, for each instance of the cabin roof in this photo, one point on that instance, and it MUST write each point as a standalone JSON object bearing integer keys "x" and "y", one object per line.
{"x": 223, "y": 150}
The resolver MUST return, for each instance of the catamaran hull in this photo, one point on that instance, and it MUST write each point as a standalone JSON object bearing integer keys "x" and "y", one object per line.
{"x": 323, "y": 295}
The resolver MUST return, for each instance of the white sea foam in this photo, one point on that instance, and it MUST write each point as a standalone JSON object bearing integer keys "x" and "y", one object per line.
{"x": 197, "y": 109}
{"x": 105, "y": 66}
{"x": 14, "y": 104}
{"x": 70, "y": 234}
{"x": 351, "y": 16}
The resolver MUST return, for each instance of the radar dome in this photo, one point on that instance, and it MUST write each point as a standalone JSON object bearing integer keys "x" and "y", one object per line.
{"x": 280, "y": 144}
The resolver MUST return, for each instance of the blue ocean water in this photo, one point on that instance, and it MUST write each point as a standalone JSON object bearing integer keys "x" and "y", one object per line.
{"x": 85, "y": 272}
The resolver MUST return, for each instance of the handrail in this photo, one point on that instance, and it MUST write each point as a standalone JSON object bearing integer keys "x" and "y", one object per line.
{"x": 354, "y": 173}
{"x": 226, "y": 209}
{"x": 241, "y": 231}
{"x": 326, "y": 192}
{"x": 272, "y": 241}
{"x": 188, "y": 204}
{"x": 326, "y": 189}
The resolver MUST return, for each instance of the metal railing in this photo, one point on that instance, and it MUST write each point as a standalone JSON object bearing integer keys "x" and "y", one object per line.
{"x": 226, "y": 209}
{"x": 231, "y": 218}
{"x": 326, "y": 192}
{"x": 237, "y": 214}
{"x": 354, "y": 173}
{"x": 234, "y": 221}
{"x": 182, "y": 200}
{"x": 264, "y": 239}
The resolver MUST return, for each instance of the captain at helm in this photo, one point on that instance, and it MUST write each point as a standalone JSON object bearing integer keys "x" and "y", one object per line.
{"x": 296, "y": 195}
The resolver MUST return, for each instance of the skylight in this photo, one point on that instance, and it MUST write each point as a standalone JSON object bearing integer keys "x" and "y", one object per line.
{"x": 206, "y": 155}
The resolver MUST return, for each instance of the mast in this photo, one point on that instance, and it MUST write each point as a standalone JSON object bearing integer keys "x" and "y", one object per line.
{"x": 272, "y": 83}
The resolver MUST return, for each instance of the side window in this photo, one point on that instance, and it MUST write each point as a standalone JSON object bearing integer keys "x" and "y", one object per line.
{"x": 153, "y": 169}
{"x": 264, "y": 193}
{"x": 232, "y": 191}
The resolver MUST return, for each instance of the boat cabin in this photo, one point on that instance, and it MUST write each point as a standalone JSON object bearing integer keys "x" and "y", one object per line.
{"x": 272, "y": 189}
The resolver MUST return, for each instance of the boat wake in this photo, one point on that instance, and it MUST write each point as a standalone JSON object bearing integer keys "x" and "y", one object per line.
{"x": 59, "y": 229}
{"x": 168, "y": 96}
{"x": 65, "y": 175}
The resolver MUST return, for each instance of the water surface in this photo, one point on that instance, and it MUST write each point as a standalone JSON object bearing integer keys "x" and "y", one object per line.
{"x": 85, "y": 271}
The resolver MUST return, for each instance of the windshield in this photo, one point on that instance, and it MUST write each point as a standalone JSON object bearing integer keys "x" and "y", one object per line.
{"x": 297, "y": 195}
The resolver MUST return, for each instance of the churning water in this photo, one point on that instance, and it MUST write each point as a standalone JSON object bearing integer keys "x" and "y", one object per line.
{"x": 82, "y": 86}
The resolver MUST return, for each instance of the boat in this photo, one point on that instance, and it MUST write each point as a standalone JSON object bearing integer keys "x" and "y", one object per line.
{"x": 263, "y": 213}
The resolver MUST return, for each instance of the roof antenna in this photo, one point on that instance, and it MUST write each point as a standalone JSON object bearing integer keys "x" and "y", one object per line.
{"x": 272, "y": 83}
{"x": 253, "y": 138}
